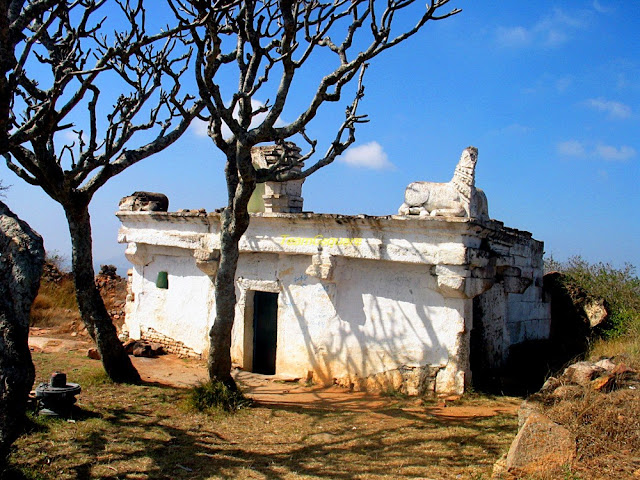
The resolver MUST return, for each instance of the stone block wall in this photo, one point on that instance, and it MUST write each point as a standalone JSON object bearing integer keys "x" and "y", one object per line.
{"x": 169, "y": 344}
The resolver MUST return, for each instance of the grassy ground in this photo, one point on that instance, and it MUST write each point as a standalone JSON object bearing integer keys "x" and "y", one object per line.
{"x": 147, "y": 432}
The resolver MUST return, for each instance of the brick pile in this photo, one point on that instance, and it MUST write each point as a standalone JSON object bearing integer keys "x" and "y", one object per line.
{"x": 169, "y": 344}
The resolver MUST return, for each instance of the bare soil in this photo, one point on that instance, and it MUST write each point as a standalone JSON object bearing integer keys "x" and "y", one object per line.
{"x": 293, "y": 431}
{"x": 171, "y": 371}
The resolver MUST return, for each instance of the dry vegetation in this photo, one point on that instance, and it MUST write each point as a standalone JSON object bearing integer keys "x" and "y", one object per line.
{"x": 606, "y": 424}
{"x": 148, "y": 432}
{"x": 607, "y": 428}
{"x": 55, "y": 304}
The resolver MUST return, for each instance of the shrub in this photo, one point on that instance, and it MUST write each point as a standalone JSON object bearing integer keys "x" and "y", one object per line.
{"x": 215, "y": 396}
{"x": 619, "y": 288}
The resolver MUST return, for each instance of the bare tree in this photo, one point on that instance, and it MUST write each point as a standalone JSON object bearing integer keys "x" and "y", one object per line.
{"x": 57, "y": 77}
{"x": 265, "y": 44}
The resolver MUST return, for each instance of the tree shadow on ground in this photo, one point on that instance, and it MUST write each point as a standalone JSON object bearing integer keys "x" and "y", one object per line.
{"x": 410, "y": 444}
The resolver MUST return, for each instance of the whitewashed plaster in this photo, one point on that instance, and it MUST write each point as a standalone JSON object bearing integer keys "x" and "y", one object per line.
{"x": 366, "y": 302}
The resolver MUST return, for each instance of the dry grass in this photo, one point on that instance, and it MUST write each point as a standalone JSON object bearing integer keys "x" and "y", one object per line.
{"x": 625, "y": 349}
{"x": 55, "y": 304}
{"x": 607, "y": 428}
{"x": 147, "y": 432}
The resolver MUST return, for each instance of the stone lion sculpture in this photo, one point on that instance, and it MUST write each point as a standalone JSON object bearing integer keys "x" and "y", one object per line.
{"x": 458, "y": 198}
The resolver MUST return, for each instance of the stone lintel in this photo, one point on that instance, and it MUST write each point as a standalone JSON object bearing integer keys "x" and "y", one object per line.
{"x": 322, "y": 267}
{"x": 457, "y": 281}
{"x": 137, "y": 254}
{"x": 207, "y": 260}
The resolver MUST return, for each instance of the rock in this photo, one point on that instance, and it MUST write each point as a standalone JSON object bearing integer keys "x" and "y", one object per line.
{"x": 607, "y": 364}
{"x": 21, "y": 259}
{"x": 540, "y": 446}
{"x": 582, "y": 373}
{"x": 145, "y": 202}
{"x": 550, "y": 385}
{"x": 500, "y": 471}
{"x": 129, "y": 346}
{"x": 567, "y": 392}
{"x": 527, "y": 407}
{"x": 93, "y": 354}
{"x": 604, "y": 384}
{"x": 596, "y": 312}
{"x": 142, "y": 350}
{"x": 623, "y": 370}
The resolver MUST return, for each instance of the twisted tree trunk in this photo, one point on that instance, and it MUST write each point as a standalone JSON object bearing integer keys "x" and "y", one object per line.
{"x": 21, "y": 260}
{"x": 94, "y": 314}
{"x": 234, "y": 221}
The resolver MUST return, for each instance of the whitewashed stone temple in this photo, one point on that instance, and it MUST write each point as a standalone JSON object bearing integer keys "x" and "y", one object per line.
{"x": 415, "y": 302}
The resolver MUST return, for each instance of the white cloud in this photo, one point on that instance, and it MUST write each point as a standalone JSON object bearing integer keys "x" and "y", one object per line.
{"x": 611, "y": 153}
{"x": 200, "y": 127}
{"x": 550, "y": 31}
{"x": 598, "y": 7}
{"x": 612, "y": 108}
{"x": 572, "y": 148}
{"x": 563, "y": 83}
{"x": 370, "y": 155}
{"x": 513, "y": 36}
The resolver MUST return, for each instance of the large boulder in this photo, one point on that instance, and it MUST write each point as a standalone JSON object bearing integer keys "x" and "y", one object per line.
{"x": 540, "y": 446}
{"x": 21, "y": 260}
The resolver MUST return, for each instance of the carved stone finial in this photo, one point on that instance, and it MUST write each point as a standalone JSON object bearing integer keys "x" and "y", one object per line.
{"x": 280, "y": 197}
{"x": 457, "y": 198}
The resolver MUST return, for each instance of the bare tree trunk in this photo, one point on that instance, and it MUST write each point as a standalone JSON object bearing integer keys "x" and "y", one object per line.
{"x": 94, "y": 314}
{"x": 219, "y": 362}
{"x": 21, "y": 260}
{"x": 234, "y": 221}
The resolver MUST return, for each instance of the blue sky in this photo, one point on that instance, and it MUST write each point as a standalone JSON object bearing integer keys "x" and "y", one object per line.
{"x": 549, "y": 92}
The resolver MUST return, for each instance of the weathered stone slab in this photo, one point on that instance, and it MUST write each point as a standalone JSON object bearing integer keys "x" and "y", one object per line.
{"x": 540, "y": 446}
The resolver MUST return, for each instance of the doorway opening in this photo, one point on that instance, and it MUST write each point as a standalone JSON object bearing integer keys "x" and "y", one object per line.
{"x": 265, "y": 332}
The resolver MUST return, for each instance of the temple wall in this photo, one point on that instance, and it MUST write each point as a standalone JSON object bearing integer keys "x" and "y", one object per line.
{"x": 366, "y": 302}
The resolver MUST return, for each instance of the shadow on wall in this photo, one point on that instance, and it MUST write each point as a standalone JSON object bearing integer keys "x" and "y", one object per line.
{"x": 384, "y": 320}
{"x": 530, "y": 363}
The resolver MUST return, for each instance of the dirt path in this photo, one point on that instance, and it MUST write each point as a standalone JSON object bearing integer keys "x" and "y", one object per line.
{"x": 266, "y": 390}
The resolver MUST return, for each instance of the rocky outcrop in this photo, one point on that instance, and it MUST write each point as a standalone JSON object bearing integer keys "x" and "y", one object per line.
{"x": 21, "y": 260}
{"x": 544, "y": 447}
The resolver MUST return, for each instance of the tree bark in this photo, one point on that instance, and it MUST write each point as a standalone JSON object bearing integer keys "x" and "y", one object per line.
{"x": 94, "y": 314}
{"x": 21, "y": 260}
{"x": 219, "y": 361}
{"x": 234, "y": 221}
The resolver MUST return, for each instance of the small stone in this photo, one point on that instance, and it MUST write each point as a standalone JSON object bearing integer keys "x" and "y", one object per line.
{"x": 129, "y": 345}
{"x": 607, "y": 364}
{"x": 622, "y": 369}
{"x": 142, "y": 350}
{"x": 567, "y": 392}
{"x": 550, "y": 385}
{"x": 93, "y": 354}
{"x": 581, "y": 373}
{"x": 604, "y": 384}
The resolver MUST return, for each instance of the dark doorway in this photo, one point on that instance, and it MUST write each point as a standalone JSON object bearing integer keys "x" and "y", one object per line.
{"x": 265, "y": 332}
